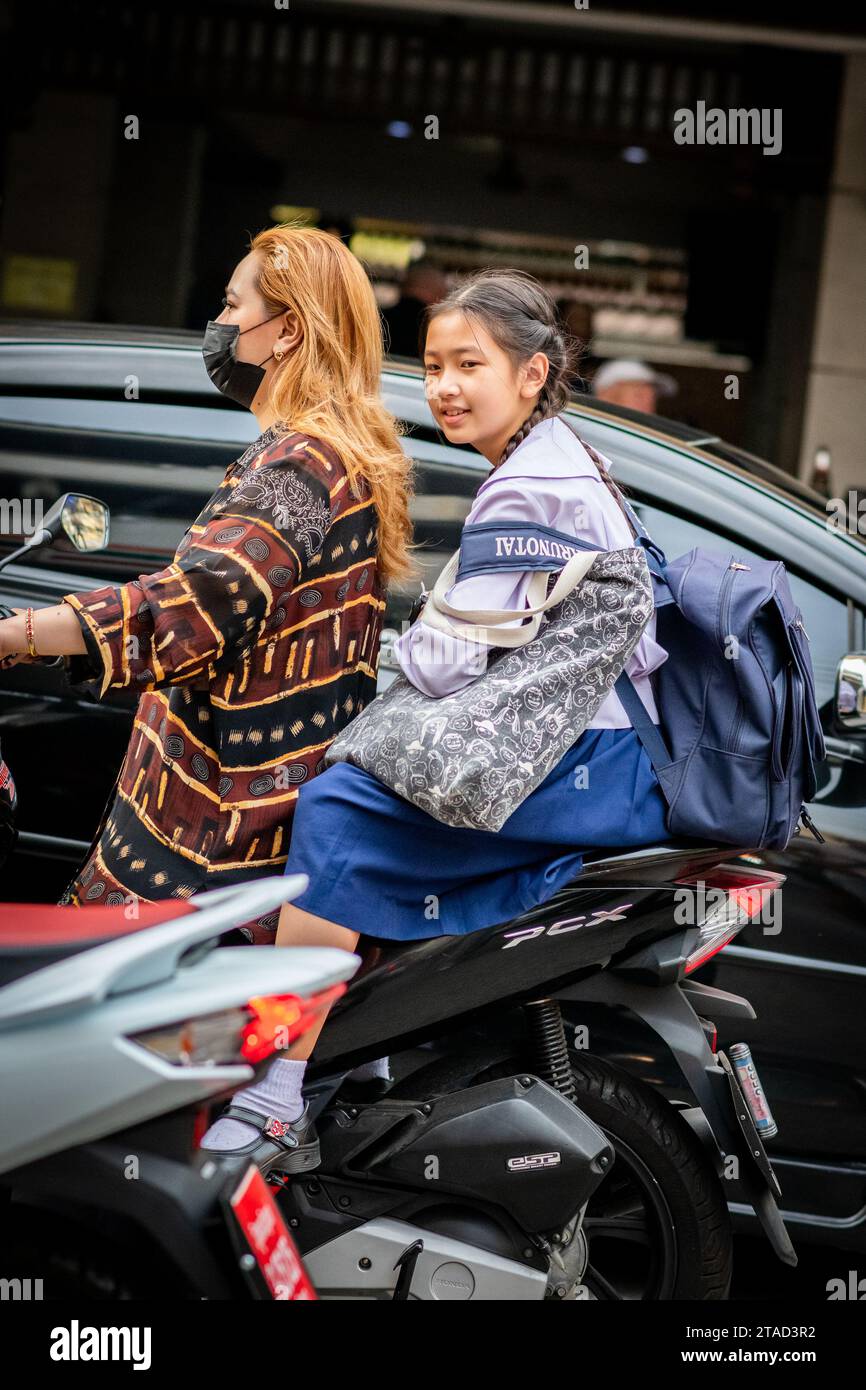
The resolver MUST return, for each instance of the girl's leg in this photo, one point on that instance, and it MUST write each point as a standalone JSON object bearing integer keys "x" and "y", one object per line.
{"x": 299, "y": 928}
{"x": 278, "y": 1093}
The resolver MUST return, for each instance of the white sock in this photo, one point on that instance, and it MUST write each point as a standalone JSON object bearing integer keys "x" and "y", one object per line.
{"x": 278, "y": 1093}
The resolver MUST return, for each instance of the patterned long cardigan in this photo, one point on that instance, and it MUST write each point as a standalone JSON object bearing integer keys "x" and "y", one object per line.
{"x": 251, "y": 650}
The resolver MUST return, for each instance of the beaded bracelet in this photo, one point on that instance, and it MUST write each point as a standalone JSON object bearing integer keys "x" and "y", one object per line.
{"x": 28, "y": 628}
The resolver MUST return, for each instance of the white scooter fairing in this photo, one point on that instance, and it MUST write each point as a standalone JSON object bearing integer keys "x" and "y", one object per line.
{"x": 70, "y": 1071}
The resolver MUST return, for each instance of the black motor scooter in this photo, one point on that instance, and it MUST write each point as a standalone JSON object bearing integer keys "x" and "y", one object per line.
{"x": 512, "y": 1159}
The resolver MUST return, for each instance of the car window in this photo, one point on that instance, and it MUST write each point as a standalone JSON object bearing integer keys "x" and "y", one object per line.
{"x": 131, "y": 417}
{"x": 153, "y": 465}
{"x": 443, "y": 496}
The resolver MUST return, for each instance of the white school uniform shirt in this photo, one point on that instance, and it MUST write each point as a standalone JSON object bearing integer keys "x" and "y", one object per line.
{"x": 549, "y": 480}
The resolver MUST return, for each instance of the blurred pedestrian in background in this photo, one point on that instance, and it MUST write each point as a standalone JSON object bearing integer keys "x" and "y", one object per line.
{"x": 623, "y": 381}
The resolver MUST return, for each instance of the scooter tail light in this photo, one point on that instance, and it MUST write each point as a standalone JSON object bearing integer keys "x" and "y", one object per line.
{"x": 210, "y": 1040}
{"x": 710, "y": 945}
{"x": 250, "y": 1032}
{"x": 278, "y": 1020}
{"x": 722, "y": 904}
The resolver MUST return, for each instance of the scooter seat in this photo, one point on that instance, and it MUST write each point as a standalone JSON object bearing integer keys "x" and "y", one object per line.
{"x": 664, "y": 847}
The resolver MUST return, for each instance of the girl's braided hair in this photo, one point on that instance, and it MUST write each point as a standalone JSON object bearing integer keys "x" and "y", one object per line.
{"x": 521, "y": 317}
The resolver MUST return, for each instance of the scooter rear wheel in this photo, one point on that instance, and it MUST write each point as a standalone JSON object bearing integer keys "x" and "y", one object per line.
{"x": 679, "y": 1216}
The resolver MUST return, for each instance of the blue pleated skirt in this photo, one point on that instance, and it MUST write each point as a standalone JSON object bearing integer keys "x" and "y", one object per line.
{"x": 381, "y": 867}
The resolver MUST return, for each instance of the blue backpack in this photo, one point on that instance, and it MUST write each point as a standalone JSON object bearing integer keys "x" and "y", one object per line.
{"x": 740, "y": 734}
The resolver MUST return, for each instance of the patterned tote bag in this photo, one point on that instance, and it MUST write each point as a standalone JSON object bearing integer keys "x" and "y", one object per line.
{"x": 469, "y": 759}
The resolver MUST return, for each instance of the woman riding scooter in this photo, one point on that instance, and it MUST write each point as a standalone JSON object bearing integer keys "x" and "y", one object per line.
{"x": 259, "y": 641}
{"x": 497, "y": 365}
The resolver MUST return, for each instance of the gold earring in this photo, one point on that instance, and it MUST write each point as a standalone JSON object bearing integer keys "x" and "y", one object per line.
{"x": 279, "y": 355}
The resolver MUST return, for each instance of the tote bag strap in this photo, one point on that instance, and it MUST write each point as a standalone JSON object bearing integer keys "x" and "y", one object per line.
{"x": 484, "y": 624}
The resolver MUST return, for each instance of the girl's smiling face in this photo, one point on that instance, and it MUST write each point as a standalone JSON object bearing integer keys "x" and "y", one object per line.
{"x": 476, "y": 394}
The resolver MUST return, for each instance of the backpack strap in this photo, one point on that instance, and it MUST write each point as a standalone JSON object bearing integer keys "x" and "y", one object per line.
{"x": 639, "y": 529}
{"x": 646, "y": 730}
{"x": 655, "y": 555}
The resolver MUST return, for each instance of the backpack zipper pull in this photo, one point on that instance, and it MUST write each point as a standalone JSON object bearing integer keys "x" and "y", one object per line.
{"x": 810, "y": 824}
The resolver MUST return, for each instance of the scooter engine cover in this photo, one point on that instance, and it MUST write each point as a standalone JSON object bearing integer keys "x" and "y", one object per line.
{"x": 523, "y": 1147}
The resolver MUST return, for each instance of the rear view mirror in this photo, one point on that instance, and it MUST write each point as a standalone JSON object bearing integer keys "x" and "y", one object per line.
{"x": 85, "y": 521}
{"x": 850, "y": 697}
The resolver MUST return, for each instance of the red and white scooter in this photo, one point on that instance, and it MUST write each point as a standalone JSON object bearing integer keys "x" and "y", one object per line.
{"x": 116, "y": 1035}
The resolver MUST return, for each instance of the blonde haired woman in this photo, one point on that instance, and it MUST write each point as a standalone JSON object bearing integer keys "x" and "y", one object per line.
{"x": 259, "y": 642}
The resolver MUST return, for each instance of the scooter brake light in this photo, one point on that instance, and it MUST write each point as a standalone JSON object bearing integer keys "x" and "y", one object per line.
{"x": 250, "y": 1032}
{"x": 722, "y": 904}
{"x": 211, "y": 1040}
{"x": 278, "y": 1020}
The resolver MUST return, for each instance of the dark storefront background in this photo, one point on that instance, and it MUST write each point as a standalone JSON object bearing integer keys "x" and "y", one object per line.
{"x": 554, "y": 133}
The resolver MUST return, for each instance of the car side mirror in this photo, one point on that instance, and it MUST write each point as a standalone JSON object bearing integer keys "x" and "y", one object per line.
{"x": 850, "y": 697}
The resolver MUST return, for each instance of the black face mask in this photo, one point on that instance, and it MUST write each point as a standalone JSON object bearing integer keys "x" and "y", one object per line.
{"x": 238, "y": 380}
